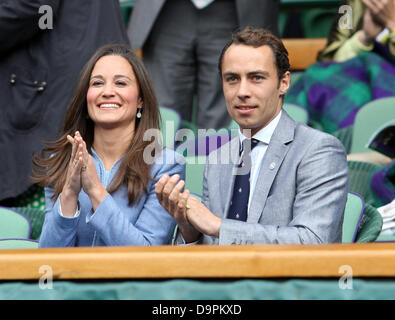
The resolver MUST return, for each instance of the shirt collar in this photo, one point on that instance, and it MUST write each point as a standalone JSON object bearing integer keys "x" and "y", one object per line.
{"x": 265, "y": 134}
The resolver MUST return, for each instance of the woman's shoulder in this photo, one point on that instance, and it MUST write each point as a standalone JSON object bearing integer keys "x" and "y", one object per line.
{"x": 168, "y": 156}
{"x": 168, "y": 161}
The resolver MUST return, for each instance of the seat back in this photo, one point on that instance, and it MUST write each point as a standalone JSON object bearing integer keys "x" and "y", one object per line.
{"x": 352, "y": 217}
{"x": 194, "y": 172}
{"x": 203, "y": 145}
{"x": 360, "y": 176}
{"x": 369, "y": 118}
{"x": 13, "y": 224}
{"x": 18, "y": 244}
{"x": 371, "y": 225}
{"x": 170, "y": 123}
{"x": 296, "y": 112}
{"x": 36, "y": 218}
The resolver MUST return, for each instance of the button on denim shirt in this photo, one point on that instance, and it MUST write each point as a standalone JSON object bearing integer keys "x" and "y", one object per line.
{"x": 114, "y": 223}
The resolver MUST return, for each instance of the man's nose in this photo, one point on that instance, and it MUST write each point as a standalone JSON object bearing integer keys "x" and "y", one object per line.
{"x": 244, "y": 90}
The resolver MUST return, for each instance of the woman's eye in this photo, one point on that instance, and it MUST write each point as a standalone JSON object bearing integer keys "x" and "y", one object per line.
{"x": 96, "y": 83}
{"x": 121, "y": 83}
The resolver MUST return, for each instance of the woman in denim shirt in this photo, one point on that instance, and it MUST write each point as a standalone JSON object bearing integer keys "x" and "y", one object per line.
{"x": 99, "y": 175}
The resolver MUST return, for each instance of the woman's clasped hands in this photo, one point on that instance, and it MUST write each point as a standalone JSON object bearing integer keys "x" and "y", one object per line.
{"x": 81, "y": 175}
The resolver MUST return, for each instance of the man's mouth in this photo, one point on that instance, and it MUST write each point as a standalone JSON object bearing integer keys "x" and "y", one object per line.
{"x": 243, "y": 109}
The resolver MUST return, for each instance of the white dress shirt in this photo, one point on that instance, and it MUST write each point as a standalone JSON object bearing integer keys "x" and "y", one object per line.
{"x": 257, "y": 154}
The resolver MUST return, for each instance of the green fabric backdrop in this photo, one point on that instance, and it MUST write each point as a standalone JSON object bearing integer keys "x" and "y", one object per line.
{"x": 289, "y": 289}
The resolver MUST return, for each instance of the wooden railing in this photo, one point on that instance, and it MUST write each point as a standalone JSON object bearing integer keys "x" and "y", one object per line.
{"x": 309, "y": 3}
{"x": 249, "y": 261}
{"x": 303, "y": 52}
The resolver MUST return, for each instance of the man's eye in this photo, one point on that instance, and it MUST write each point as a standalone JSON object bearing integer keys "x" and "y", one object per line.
{"x": 257, "y": 78}
{"x": 231, "y": 79}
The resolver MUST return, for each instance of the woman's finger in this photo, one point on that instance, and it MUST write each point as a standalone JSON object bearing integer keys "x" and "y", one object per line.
{"x": 168, "y": 188}
{"x": 73, "y": 143}
{"x": 174, "y": 196}
{"x": 160, "y": 184}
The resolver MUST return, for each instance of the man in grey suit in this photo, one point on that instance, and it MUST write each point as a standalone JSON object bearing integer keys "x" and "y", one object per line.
{"x": 181, "y": 43}
{"x": 298, "y": 177}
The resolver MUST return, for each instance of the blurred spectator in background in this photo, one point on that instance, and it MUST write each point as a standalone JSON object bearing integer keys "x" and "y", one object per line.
{"x": 181, "y": 42}
{"x": 357, "y": 66}
{"x": 371, "y": 20}
{"x": 44, "y": 45}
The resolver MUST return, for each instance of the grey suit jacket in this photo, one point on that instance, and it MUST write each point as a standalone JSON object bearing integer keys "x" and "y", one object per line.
{"x": 257, "y": 13}
{"x": 300, "y": 194}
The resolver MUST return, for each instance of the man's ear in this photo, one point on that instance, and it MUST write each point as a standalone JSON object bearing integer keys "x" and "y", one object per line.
{"x": 284, "y": 83}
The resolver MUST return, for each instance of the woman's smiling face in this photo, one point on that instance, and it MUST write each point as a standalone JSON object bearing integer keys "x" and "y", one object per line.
{"x": 113, "y": 95}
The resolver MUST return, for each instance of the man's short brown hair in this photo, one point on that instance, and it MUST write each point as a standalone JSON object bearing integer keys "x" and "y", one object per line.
{"x": 255, "y": 37}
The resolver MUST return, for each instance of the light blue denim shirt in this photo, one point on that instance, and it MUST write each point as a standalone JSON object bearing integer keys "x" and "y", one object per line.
{"x": 114, "y": 223}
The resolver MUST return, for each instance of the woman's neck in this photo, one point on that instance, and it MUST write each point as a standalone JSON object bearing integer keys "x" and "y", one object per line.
{"x": 111, "y": 144}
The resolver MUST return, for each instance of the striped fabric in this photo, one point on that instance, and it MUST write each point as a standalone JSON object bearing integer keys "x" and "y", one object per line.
{"x": 333, "y": 92}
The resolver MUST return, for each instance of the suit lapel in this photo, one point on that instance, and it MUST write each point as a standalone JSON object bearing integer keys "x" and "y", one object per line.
{"x": 274, "y": 156}
{"x": 227, "y": 176}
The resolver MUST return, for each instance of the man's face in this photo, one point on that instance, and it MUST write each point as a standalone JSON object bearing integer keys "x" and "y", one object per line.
{"x": 251, "y": 86}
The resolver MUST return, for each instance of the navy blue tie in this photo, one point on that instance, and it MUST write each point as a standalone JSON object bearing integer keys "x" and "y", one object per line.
{"x": 241, "y": 190}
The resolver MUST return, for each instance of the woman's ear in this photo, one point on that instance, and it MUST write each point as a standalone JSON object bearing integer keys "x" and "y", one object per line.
{"x": 139, "y": 103}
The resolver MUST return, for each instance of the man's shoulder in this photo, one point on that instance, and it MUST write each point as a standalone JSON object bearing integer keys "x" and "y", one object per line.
{"x": 309, "y": 135}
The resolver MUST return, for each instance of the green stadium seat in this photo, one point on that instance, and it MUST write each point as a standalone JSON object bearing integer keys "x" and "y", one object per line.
{"x": 13, "y": 224}
{"x": 18, "y": 244}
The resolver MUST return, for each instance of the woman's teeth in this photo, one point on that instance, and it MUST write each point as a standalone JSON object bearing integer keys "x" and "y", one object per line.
{"x": 109, "y": 105}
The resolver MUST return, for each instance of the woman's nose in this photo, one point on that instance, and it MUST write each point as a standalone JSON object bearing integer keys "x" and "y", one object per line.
{"x": 108, "y": 90}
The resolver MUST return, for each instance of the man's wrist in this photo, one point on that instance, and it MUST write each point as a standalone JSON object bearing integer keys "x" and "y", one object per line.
{"x": 391, "y": 26}
{"x": 189, "y": 233}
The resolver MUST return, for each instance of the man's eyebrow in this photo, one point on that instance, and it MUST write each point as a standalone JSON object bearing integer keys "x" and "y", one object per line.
{"x": 229, "y": 73}
{"x": 262, "y": 72}
{"x": 251, "y": 73}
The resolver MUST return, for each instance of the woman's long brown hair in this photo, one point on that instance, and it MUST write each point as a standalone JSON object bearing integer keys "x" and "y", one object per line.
{"x": 51, "y": 164}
